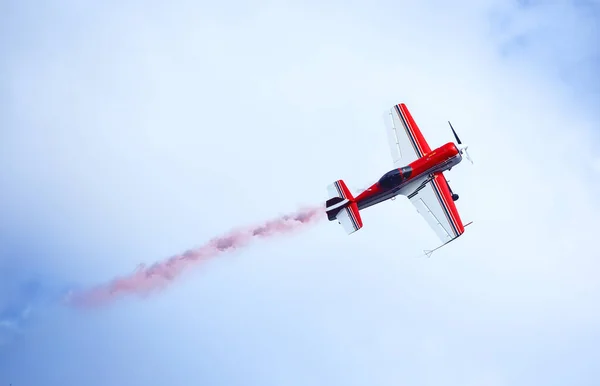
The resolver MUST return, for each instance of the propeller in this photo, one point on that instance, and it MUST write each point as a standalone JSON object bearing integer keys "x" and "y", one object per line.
{"x": 461, "y": 147}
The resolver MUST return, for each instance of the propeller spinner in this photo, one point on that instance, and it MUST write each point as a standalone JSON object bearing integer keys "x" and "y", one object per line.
{"x": 461, "y": 147}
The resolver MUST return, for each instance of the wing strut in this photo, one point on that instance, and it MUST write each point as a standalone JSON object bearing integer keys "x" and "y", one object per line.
{"x": 429, "y": 252}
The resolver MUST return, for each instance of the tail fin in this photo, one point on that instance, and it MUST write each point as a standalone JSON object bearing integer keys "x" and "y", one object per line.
{"x": 342, "y": 207}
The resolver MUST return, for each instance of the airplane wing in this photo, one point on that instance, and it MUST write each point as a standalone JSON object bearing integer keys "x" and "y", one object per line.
{"x": 405, "y": 139}
{"x": 433, "y": 199}
{"x": 434, "y": 202}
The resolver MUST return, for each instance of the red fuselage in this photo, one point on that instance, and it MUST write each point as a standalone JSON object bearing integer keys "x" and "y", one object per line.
{"x": 407, "y": 179}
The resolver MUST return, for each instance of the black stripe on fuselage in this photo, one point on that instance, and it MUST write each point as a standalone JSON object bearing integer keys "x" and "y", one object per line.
{"x": 376, "y": 199}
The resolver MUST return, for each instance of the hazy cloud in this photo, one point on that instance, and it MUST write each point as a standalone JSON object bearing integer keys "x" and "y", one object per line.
{"x": 135, "y": 131}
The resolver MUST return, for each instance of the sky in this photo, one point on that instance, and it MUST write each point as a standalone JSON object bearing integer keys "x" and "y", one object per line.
{"x": 133, "y": 131}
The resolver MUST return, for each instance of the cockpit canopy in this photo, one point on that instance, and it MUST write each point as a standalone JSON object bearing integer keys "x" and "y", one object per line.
{"x": 394, "y": 177}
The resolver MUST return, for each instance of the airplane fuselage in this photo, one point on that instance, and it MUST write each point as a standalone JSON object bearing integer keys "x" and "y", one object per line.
{"x": 407, "y": 179}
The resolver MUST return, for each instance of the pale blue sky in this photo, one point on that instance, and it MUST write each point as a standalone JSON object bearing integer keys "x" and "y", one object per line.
{"x": 131, "y": 131}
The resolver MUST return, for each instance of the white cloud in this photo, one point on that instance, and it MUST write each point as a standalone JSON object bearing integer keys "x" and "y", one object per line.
{"x": 136, "y": 132}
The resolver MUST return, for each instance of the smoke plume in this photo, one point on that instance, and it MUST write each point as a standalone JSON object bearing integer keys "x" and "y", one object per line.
{"x": 159, "y": 275}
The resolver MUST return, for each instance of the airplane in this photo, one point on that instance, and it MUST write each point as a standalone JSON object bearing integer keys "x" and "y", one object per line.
{"x": 419, "y": 175}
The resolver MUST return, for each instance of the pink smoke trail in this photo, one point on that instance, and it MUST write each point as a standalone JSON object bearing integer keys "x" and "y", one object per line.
{"x": 157, "y": 276}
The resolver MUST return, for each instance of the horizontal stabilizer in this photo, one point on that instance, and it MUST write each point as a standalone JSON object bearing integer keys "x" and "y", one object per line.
{"x": 341, "y": 207}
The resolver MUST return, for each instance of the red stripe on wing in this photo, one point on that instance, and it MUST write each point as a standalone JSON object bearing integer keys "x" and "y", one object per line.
{"x": 413, "y": 130}
{"x": 440, "y": 184}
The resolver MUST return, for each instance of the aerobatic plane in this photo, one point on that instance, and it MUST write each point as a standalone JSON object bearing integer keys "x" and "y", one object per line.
{"x": 419, "y": 175}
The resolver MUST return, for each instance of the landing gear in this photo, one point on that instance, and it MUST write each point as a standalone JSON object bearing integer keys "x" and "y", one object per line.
{"x": 455, "y": 196}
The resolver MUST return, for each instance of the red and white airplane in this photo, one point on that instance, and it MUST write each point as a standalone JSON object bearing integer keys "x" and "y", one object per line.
{"x": 419, "y": 175}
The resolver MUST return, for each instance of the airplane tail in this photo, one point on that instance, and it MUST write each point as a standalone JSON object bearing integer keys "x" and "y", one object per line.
{"x": 342, "y": 207}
